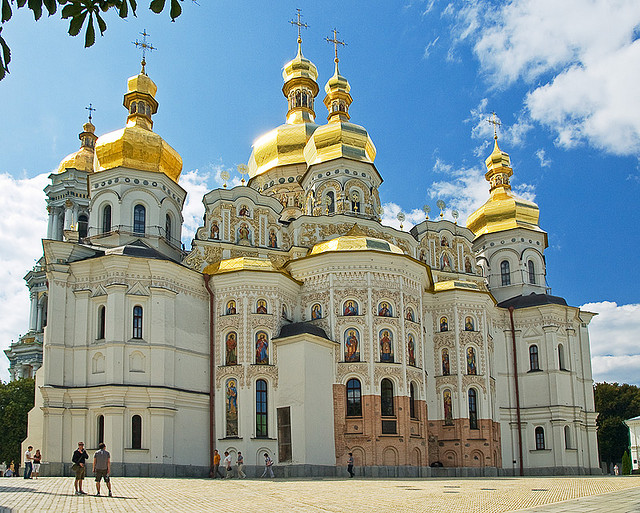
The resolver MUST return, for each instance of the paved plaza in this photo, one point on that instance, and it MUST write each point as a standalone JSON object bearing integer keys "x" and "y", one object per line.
{"x": 548, "y": 494}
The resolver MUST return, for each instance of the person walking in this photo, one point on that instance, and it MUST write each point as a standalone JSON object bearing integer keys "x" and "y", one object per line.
{"x": 102, "y": 467}
{"x": 28, "y": 462}
{"x": 268, "y": 464}
{"x": 240, "y": 463}
{"x": 350, "y": 465}
{"x": 79, "y": 458}
{"x": 216, "y": 465}
{"x": 37, "y": 457}
{"x": 227, "y": 465}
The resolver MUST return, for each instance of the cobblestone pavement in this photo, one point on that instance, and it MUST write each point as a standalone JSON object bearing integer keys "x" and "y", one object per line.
{"x": 549, "y": 494}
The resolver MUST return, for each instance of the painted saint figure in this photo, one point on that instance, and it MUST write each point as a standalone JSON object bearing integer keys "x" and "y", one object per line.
{"x": 351, "y": 351}
{"x": 350, "y": 308}
{"x": 244, "y": 211}
{"x": 411, "y": 348}
{"x": 261, "y": 307}
{"x": 384, "y": 310}
{"x": 467, "y": 267}
{"x": 448, "y": 408}
{"x": 231, "y": 307}
{"x": 468, "y": 324}
{"x": 215, "y": 231}
{"x": 316, "y": 312}
{"x": 445, "y": 362}
{"x": 444, "y": 324}
{"x": 232, "y": 408}
{"x": 471, "y": 361}
{"x": 410, "y": 315}
{"x": 273, "y": 240}
{"x": 446, "y": 262}
{"x": 232, "y": 349}
{"x": 262, "y": 348}
{"x": 386, "y": 348}
{"x": 243, "y": 233}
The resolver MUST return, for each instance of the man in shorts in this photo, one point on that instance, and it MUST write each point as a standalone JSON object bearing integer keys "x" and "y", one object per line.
{"x": 79, "y": 458}
{"x": 102, "y": 467}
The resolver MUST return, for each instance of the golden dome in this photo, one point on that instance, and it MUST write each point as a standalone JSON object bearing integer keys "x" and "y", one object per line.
{"x": 244, "y": 264}
{"x": 285, "y": 144}
{"x": 355, "y": 240}
{"x": 136, "y": 146}
{"x": 339, "y": 138}
{"x": 503, "y": 210}
{"x": 82, "y": 160}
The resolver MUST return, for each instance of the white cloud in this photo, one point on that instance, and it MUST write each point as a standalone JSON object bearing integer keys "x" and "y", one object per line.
{"x": 23, "y": 223}
{"x": 544, "y": 161}
{"x": 615, "y": 353}
{"x": 580, "y": 59}
{"x": 429, "y": 47}
{"x": 483, "y": 129}
{"x": 391, "y": 211}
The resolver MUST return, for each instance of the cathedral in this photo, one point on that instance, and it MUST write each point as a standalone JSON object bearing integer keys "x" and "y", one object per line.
{"x": 298, "y": 325}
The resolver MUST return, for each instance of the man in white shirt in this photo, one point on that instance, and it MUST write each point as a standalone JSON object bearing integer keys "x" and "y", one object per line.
{"x": 227, "y": 464}
{"x": 28, "y": 463}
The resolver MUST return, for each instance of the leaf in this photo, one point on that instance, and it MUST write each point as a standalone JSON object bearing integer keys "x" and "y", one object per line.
{"x": 36, "y": 7}
{"x": 134, "y": 5}
{"x": 20, "y": 3}
{"x": 101, "y": 24}
{"x": 6, "y": 11}
{"x": 124, "y": 9}
{"x": 5, "y": 57}
{"x": 51, "y": 5}
{"x": 90, "y": 36}
{"x": 71, "y": 11}
{"x": 176, "y": 9}
{"x": 157, "y": 6}
{"x": 76, "y": 23}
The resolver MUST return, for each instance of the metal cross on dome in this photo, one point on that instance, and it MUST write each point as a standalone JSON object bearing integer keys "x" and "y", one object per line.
{"x": 299, "y": 24}
{"x": 91, "y": 110}
{"x": 145, "y": 46}
{"x": 335, "y": 42}
{"x": 496, "y": 123}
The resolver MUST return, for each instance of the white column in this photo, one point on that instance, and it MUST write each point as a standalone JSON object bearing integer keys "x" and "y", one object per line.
{"x": 51, "y": 224}
{"x": 33, "y": 313}
{"x": 56, "y": 223}
{"x": 68, "y": 215}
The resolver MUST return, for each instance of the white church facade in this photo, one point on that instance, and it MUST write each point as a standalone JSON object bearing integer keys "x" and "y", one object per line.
{"x": 298, "y": 325}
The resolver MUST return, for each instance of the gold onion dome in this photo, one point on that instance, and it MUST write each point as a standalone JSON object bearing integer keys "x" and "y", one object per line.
{"x": 503, "y": 210}
{"x": 339, "y": 138}
{"x": 82, "y": 160}
{"x": 355, "y": 240}
{"x": 285, "y": 144}
{"x": 136, "y": 146}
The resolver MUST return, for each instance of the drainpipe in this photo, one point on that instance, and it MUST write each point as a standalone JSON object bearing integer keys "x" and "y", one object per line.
{"x": 212, "y": 370}
{"x": 515, "y": 378}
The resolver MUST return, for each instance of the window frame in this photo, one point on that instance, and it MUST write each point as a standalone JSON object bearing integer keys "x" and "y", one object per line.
{"x": 534, "y": 354}
{"x": 136, "y": 431}
{"x": 505, "y": 273}
{"x": 531, "y": 269}
{"x": 353, "y": 398}
{"x": 137, "y": 322}
{"x": 139, "y": 225}
{"x": 539, "y": 437}
{"x": 386, "y": 396}
{"x": 106, "y": 218}
{"x": 262, "y": 412}
{"x": 472, "y": 395}
{"x": 102, "y": 314}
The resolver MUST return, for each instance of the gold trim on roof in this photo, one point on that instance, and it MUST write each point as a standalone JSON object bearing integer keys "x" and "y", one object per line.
{"x": 355, "y": 240}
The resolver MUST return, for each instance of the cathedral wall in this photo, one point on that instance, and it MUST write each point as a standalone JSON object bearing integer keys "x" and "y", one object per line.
{"x": 455, "y": 444}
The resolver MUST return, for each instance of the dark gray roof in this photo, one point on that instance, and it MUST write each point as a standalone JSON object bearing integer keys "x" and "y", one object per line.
{"x": 138, "y": 249}
{"x": 532, "y": 299}
{"x": 298, "y": 328}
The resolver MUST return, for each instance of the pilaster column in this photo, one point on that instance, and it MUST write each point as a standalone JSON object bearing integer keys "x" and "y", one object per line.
{"x": 68, "y": 215}
{"x": 51, "y": 223}
{"x": 33, "y": 312}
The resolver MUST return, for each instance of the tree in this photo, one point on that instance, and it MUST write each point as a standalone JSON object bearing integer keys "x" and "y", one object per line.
{"x": 79, "y": 13}
{"x": 626, "y": 464}
{"x": 614, "y": 404}
{"x": 16, "y": 399}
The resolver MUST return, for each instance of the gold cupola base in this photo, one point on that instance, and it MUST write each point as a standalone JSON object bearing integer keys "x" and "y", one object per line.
{"x": 82, "y": 160}
{"x": 339, "y": 139}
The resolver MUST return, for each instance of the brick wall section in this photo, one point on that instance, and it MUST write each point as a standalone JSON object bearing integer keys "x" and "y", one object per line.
{"x": 459, "y": 446}
{"x": 363, "y": 436}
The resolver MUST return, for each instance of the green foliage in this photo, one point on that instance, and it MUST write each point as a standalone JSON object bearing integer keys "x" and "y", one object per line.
{"x": 614, "y": 404}
{"x": 16, "y": 399}
{"x": 80, "y": 13}
{"x": 626, "y": 464}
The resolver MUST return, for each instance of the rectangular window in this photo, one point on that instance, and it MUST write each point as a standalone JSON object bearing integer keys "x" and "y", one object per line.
{"x": 137, "y": 322}
{"x": 261, "y": 409}
{"x": 284, "y": 434}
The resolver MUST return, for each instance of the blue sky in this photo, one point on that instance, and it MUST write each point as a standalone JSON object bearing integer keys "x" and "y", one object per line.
{"x": 424, "y": 76}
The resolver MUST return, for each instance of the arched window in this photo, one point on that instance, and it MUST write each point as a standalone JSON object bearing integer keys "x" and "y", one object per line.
{"x": 101, "y": 321}
{"x": 133, "y": 107}
{"x": 532, "y": 272}
{"x": 412, "y": 401}
{"x": 261, "y": 409}
{"x": 473, "y": 409}
{"x": 567, "y": 438}
{"x": 354, "y": 398}
{"x": 167, "y": 227}
{"x": 386, "y": 398}
{"x": 100, "y": 429}
{"x": 83, "y": 226}
{"x": 561, "y": 362}
{"x": 139, "y": 219}
{"x": 505, "y": 273}
{"x": 534, "y": 363}
{"x": 137, "y": 322}
{"x": 331, "y": 202}
{"x": 539, "y": 439}
{"x": 106, "y": 219}
{"x": 136, "y": 432}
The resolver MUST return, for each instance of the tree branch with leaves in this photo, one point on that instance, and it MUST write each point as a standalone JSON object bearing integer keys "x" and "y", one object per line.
{"x": 80, "y": 13}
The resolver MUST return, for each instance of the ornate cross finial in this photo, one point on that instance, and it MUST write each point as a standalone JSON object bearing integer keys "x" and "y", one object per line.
{"x": 494, "y": 121}
{"x": 91, "y": 110}
{"x": 335, "y": 42}
{"x": 145, "y": 46}
{"x": 300, "y": 25}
